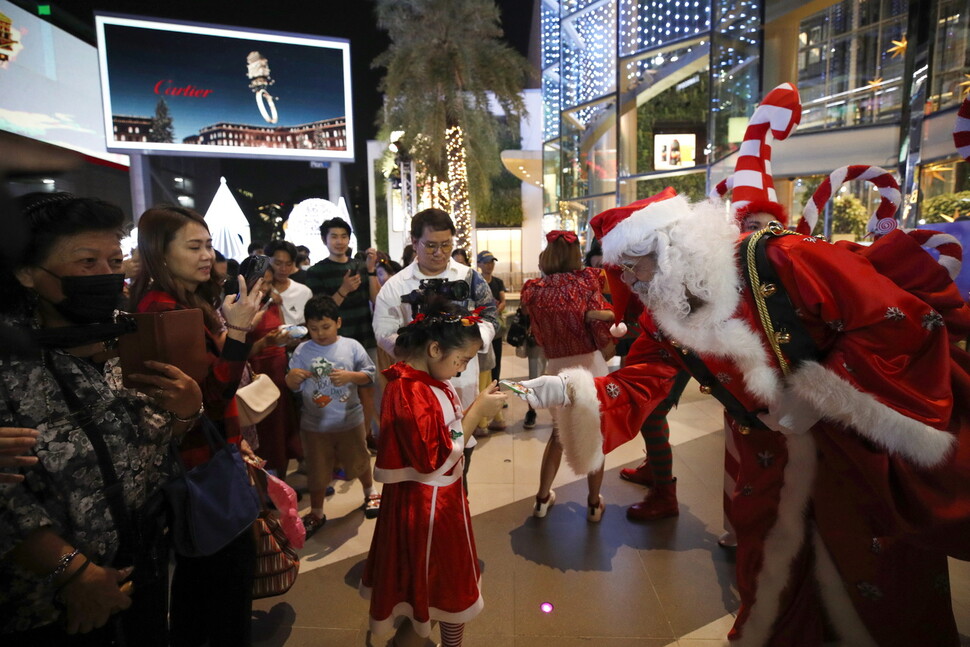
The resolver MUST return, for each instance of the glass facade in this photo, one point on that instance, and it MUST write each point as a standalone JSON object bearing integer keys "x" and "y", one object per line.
{"x": 850, "y": 63}
{"x": 951, "y": 54}
{"x": 640, "y": 95}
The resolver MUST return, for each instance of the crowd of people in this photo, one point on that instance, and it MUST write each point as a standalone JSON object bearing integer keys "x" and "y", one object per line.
{"x": 78, "y": 442}
{"x": 849, "y": 469}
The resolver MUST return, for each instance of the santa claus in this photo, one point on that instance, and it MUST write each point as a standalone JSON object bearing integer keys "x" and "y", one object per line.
{"x": 850, "y": 407}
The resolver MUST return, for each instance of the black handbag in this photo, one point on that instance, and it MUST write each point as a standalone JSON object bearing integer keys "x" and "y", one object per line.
{"x": 518, "y": 329}
{"x": 212, "y": 503}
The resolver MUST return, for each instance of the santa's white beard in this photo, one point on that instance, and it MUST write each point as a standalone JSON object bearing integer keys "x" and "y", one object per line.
{"x": 696, "y": 256}
{"x": 696, "y": 259}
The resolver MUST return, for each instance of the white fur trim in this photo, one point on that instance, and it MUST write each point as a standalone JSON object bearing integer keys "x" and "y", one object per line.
{"x": 579, "y": 423}
{"x": 640, "y": 225}
{"x": 733, "y": 339}
{"x": 782, "y": 542}
{"x": 618, "y": 330}
{"x": 838, "y": 605}
{"x": 839, "y": 400}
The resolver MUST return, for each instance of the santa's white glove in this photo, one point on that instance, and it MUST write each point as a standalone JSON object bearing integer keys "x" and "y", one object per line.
{"x": 791, "y": 416}
{"x": 546, "y": 392}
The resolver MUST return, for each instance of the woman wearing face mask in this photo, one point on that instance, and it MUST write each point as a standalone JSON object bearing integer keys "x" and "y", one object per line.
{"x": 211, "y": 596}
{"x": 69, "y": 535}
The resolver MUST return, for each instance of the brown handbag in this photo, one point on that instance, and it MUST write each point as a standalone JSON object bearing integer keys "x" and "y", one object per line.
{"x": 277, "y": 563}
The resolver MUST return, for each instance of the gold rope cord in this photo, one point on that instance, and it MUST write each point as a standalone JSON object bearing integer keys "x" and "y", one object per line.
{"x": 759, "y": 297}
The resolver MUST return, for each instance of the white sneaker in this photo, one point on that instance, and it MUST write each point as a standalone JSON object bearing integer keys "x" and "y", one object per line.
{"x": 540, "y": 509}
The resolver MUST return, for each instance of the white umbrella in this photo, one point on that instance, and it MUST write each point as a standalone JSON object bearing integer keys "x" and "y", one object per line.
{"x": 228, "y": 224}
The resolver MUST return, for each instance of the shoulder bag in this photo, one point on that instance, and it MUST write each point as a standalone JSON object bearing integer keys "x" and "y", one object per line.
{"x": 257, "y": 399}
{"x": 212, "y": 503}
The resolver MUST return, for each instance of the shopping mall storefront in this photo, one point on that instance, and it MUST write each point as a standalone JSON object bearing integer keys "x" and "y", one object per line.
{"x": 641, "y": 95}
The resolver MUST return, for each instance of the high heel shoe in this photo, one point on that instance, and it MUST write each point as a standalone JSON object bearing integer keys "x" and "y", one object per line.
{"x": 594, "y": 513}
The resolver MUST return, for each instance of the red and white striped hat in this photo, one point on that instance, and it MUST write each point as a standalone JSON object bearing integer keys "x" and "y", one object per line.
{"x": 754, "y": 189}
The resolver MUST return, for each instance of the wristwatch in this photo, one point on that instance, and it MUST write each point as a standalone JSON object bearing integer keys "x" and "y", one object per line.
{"x": 374, "y": 273}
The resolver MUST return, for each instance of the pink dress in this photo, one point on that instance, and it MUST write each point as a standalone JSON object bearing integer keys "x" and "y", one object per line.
{"x": 422, "y": 563}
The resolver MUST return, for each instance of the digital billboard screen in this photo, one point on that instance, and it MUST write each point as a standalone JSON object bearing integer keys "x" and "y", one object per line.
{"x": 185, "y": 88}
{"x": 48, "y": 95}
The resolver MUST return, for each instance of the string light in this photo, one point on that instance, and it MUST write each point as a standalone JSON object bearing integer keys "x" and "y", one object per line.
{"x": 458, "y": 187}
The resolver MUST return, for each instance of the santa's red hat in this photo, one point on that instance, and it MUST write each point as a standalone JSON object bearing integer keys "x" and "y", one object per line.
{"x": 754, "y": 189}
{"x": 620, "y": 228}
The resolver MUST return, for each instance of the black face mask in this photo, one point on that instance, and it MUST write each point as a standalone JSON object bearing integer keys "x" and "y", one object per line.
{"x": 89, "y": 298}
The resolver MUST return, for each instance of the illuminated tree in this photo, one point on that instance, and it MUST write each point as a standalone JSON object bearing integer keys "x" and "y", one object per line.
{"x": 161, "y": 128}
{"x": 445, "y": 62}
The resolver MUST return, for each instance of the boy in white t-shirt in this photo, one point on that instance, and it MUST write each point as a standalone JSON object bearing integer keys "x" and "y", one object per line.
{"x": 288, "y": 294}
{"x": 327, "y": 371}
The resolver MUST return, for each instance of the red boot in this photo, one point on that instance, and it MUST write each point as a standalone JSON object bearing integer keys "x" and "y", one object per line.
{"x": 641, "y": 474}
{"x": 660, "y": 503}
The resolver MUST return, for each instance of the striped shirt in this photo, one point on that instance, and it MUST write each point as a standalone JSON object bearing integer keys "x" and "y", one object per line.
{"x": 326, "y": 277}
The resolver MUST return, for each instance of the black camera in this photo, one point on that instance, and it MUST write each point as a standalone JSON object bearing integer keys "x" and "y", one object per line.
{"x": 450, "y": 290}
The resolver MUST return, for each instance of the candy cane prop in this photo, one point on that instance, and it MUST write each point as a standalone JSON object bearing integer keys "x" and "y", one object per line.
{"x": 754, "y": 189}
{"x": 961, "y": 130}
{"x": 882, "y": 221}
{"x": 951, "y": 252}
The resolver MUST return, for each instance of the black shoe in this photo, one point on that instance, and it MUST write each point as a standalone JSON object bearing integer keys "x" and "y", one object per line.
{"x": 530, "y": 419}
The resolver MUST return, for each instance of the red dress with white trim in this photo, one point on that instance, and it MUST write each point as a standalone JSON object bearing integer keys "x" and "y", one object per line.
{"x": 422, "y": 563}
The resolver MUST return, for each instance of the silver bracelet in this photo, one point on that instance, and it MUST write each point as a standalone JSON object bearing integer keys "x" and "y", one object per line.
{"x": 62, "y": 565}
{"x": 195, "y": 416}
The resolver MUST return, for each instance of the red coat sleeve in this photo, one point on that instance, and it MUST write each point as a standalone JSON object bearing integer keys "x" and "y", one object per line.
{"x": 416, "y": 433}
{"x": 619, "y": 402}
{"x": 629, "y": 395}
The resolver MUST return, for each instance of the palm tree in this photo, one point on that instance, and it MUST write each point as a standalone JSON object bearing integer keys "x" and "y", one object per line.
{"x": 445, "y": 62}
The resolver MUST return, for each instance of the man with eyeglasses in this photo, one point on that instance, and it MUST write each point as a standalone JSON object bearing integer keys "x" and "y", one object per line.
{"x": 432, "y": 234}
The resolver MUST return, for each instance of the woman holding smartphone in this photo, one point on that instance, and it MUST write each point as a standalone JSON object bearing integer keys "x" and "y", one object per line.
{"x": 278, "y": 433}
{"x": 211, "y": 596}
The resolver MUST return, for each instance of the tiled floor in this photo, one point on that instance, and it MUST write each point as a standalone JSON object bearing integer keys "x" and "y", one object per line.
{"x": 616, "y": 584}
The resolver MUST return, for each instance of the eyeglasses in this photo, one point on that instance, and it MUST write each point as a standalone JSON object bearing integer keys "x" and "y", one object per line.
{"x": 627, "y": 268}
{"x": 434, "y": 247}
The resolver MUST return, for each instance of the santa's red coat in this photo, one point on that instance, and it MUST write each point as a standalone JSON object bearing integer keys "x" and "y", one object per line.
{"x": 856, "y": 516}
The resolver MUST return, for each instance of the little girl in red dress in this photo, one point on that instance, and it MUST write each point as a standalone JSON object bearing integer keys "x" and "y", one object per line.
{"x": 422, "y": 566}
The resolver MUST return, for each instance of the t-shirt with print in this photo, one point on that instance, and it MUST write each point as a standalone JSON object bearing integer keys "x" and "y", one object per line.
{"x": 327, "y": 407}
{"x": 294, "y": 300}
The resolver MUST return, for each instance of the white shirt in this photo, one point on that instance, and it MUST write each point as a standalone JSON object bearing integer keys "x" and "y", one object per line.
{"x": 390, "y": 314}
{"x": 294, "y": 300}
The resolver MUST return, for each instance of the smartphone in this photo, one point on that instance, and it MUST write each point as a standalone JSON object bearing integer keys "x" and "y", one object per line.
{"x": 514, "y": 387}
{"x": 253, "y": 268}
